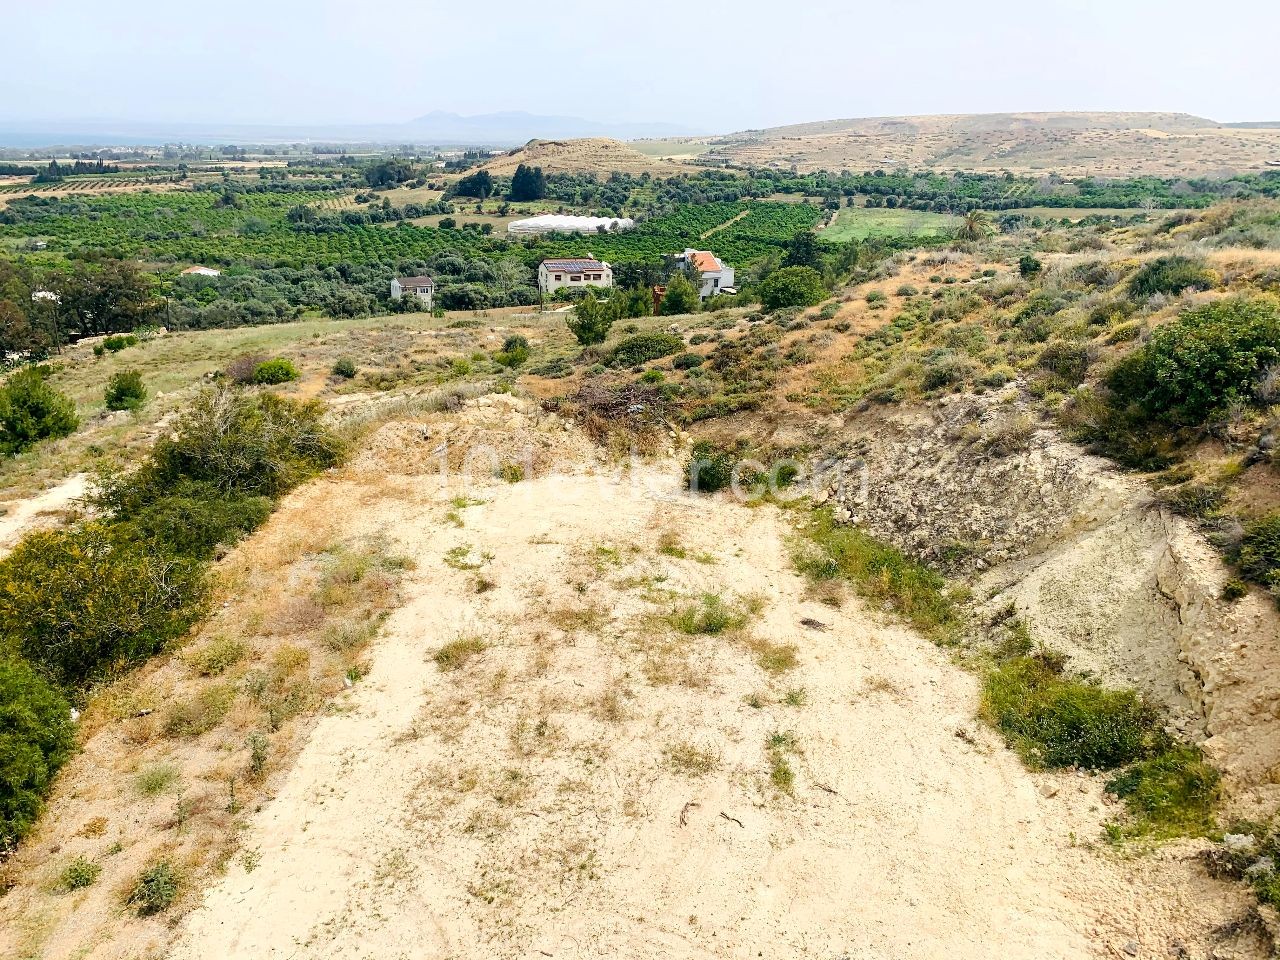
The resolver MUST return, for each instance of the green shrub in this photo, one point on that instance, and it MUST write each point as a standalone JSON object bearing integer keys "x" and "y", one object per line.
{"x": 1201, "y": 362}
{"x": 1171, "y": 794}
{"x": 1259, "y": 557}
{"x": 119, "y": 341}
{"x": 710, "y": 468}
{"x": 879, "y": 572}
{"x": 240, "y": 443}
{"x": 1171, "y": 275}
{"x": 278, "y": 370}
{"x": 1066, "y": 360}
{"x": 155, "y": 891}
{"x": 514, "y": 352}
{"x": 644, "y": 347}
{"x": 710, "y": 615}
{"x": 590, "y": 321}
{"x": 1028, "y": 266}
{"x": 87, "y": 601}
{"x": 79, "y": 873}
{"x": 36, "y": 737}
{"x": 792, "y": 287}
{"x": 31, "y": 410}
{"x": 681, "y": 297}
{"x": 876, "y": 296}
{"x": 1054, "y": 721}
{"x": 345, "y": 368}
{"x": 197, "y": 518}
{"x": 125, "y": 391}
{"x": 945, "y": 371}
{"x": 687, "y": 361}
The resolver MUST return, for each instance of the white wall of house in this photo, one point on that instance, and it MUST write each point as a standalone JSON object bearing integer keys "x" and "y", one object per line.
{"x": 550, "y": 280}
{"x": 715, "y": 281}
{"x": 426, "y": 295}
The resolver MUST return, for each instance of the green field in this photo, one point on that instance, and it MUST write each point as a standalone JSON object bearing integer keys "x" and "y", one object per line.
{"x": 859, "y": 223}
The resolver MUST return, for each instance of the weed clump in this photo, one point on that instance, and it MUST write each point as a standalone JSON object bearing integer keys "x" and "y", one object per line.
{"x": 79, "y": 873}
{"x": 455, "y": 654}
{"x": 709, "y": 615}
{"x": 155, "y": 890}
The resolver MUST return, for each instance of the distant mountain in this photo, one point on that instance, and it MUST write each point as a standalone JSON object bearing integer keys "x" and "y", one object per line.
{"x": 509, "y": 129}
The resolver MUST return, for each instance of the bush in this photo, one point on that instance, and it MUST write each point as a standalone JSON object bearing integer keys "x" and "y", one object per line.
{"x": 197, "y": 518}
{"x": 119, "y": 341}
{"x": 241, "y": 444}
{"x": 514, "y": 352}
{"x": 155, "y": 891}
{"x": 31, "y": 411}
{"x": 1201, "y": 362}
{"x": 1028, "y": 266}
{"x": 1066, "y": 360}
{"x": 1053, "y": 721}
{"x": 125, "y": 391}
{"x": 687, "y": 361}
{"x": 35, "y": 739}
{"x": 79, "y": 873}
{"x": 274, "y": 371}
{"x": 710, "y": 468}
{"x": 1259, "y": 557}
{"x": 1171, "y": 275}
{"x": 86, "y": 601}
{"x": 792, "y": 287}
{"x": 644, "y": 347}
{"x": 344, "y": 368}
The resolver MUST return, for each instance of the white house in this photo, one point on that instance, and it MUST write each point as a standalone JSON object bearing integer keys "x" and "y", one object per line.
{"x": 424, "y": 288}
{"x": 556, "y": 275}
{"x": 717, "y": 276}
{"x": 201, "y": 271}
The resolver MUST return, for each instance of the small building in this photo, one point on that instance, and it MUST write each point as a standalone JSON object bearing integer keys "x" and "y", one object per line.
{"x": 424, "y": 288}
{"x": 717, "y": 276}
{"x": 200, "y": 271}
{"x": 556, "y": 275}
{"x": 556, "y": 223}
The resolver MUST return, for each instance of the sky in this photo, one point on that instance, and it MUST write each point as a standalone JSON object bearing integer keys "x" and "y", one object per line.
{"x": 711, "y": 65}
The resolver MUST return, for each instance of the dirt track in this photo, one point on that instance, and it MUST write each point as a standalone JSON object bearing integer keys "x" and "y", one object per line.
{"x": 530, "y": 803}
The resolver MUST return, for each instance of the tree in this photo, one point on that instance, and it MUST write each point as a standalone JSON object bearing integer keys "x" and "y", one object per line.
{"x": 681, "y": 297}
{"x": 1029, "y": 266}
{"x": 975, "y": 226}
{"x": 31, "y": 410}
{"x": 803, "y": 251}
{"x": 113, "y": 297}
{"x": 478, "y": 184}
{"x": 528, "y": 183}
{"x": 792, "y": 287}
{"x": 590, "y": 321}
{"x": 388, "y": 172}
{"x": 19, "y": 335}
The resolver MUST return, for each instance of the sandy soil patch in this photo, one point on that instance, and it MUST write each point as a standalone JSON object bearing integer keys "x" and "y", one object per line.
{"x": 539, "y": 764}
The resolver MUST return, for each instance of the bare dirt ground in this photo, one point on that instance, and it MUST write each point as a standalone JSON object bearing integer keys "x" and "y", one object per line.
{"x": 45, "y": 509}
{"x": 573, "y": 776}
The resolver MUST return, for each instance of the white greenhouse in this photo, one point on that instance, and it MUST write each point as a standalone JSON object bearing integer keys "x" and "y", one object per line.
{"x": 551, "y": 222}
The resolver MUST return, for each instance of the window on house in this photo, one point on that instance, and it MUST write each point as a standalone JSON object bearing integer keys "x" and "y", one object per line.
{"x": 559, "y": 277}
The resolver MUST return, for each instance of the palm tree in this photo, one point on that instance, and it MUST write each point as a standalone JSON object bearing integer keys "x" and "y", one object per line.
{"x": 975, "y": 226}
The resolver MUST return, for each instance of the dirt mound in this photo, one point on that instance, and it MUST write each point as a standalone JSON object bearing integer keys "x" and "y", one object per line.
{"x": 592, "y": 155}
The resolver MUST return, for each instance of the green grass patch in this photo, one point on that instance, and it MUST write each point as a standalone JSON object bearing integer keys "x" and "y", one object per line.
{"x": 709, "y": 615}
{"x": 455, "y": 654}
{"x": 878, "y": 572}
{"x": 1172, "y": 794}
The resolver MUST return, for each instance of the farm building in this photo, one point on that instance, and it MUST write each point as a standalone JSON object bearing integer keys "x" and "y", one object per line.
{"x": 200, "y": 271}
{"x": 556, "y": 223}
{"x": 555, "y": 275}
{"x": 424, "y": 288}
{"x": 717, "y": 276}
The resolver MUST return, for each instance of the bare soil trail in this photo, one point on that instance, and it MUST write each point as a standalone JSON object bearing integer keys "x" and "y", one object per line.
{"x": 575, "y": 777}
{"x": 46, "y": 509}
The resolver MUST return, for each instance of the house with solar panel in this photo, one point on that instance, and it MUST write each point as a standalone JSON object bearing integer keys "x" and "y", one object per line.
{"x": 556, "y": 275}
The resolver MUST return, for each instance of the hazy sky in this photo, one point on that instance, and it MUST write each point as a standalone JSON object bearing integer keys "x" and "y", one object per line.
{"x": 710, "y": 64}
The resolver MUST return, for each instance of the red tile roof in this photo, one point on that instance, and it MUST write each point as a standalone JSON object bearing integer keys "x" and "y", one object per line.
{"x": 707, "y": 262}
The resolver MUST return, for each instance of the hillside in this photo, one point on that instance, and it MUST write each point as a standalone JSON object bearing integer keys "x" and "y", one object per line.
{"x": 1070, "y": 144}
{"x": 592, "y": 155}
